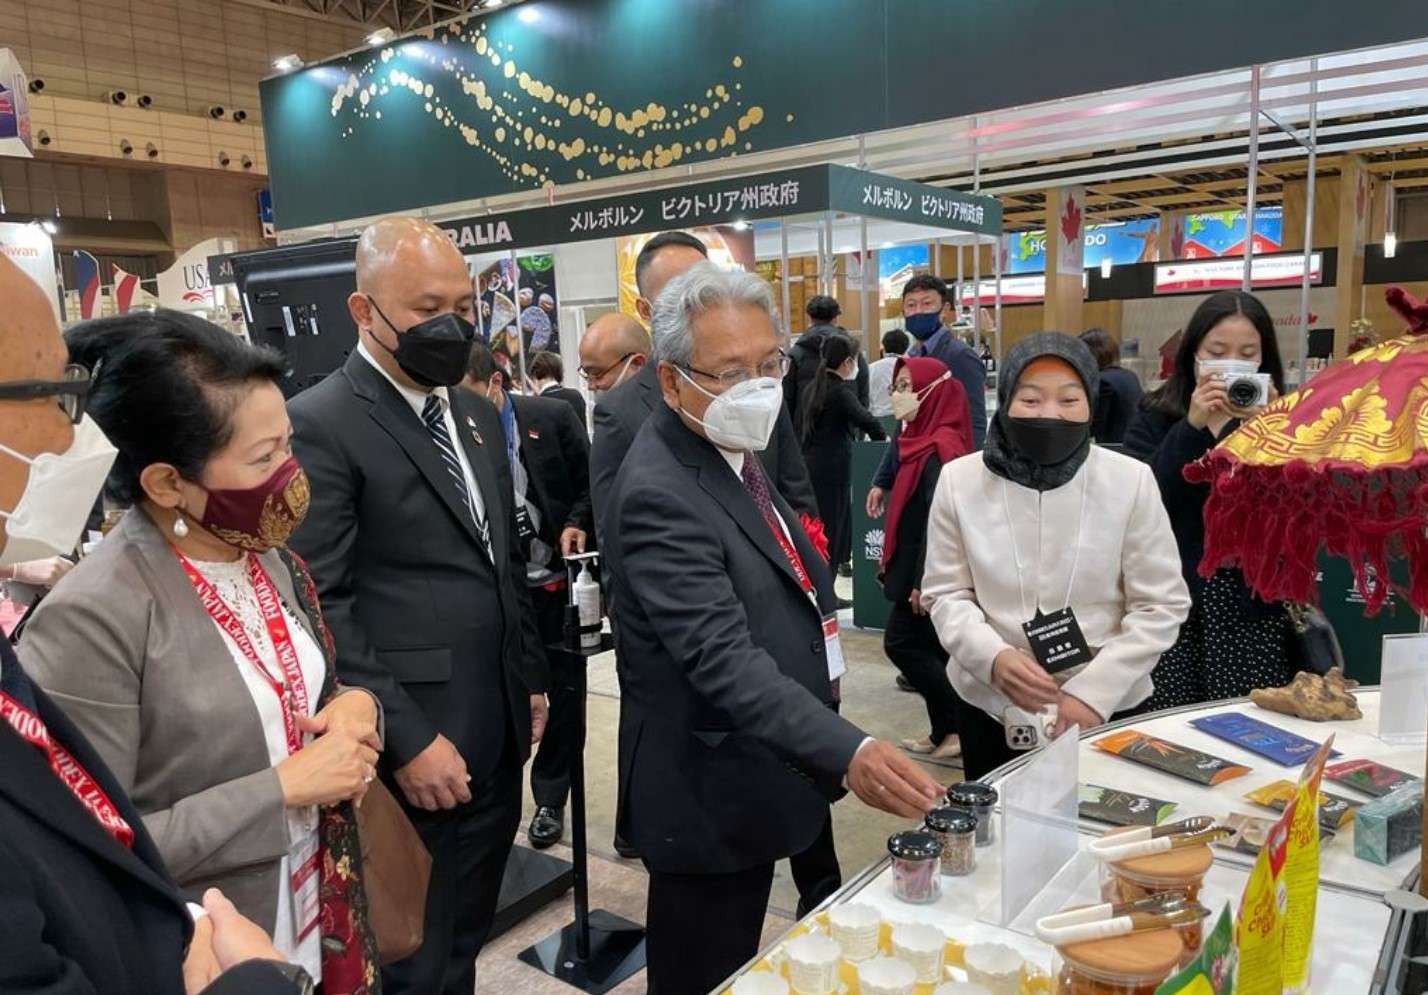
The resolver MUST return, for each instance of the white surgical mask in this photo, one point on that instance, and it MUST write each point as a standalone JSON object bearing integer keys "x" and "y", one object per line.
{"x": 744, "y": 416}
{"x": 58, "y": 497}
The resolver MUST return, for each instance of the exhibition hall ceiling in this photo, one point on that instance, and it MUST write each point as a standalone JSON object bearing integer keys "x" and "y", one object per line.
{"x": 591, "y": 96}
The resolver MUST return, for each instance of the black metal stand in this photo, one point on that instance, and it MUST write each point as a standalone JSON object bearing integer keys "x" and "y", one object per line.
{"x": 599, "y": 949}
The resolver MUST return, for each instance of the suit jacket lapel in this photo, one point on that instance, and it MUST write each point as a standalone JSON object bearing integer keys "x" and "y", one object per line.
{"x": 31, "y": 784}
{"x": 391, "y": 411}
{"x": 717, "y": 479}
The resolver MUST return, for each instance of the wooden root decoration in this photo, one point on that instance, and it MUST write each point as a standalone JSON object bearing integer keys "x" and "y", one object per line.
{"x": 1310, "y": 696}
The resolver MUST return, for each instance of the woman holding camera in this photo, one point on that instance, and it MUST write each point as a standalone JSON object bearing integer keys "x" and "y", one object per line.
{"x": 1226, "y": 370}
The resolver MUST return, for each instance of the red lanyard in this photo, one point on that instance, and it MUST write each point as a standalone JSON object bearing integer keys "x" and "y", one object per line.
{"x": 794, "y": 560}
{"x": 291, "y": 690}
{"x": 69, "y": 770}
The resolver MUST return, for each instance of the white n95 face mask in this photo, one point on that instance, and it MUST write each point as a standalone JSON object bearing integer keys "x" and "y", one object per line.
{"x": 58, "y": 497}
{"x": 744, "y": 416}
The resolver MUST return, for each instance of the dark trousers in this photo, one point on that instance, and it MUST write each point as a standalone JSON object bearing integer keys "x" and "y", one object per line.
{"x": 550, "y": 769}
{"x": 701, "y": 928}
{"x": 469, "y": 846}
{"x": 984, "y": 742}
{"x": 911, "y": 643}
{"x": 816, "y": 873}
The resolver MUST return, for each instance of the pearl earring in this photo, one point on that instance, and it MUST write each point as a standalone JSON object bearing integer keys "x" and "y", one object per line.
{"x": 180, "y": 527}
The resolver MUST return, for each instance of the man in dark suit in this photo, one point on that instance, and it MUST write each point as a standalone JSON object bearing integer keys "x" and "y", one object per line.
{"x": 547, "y": 373}
{"x": 924, "y": 304}
{"x": 549, "y": 458}
{"x": 728, "y": 644}
{"x": 618, "y": 418}
{"x": 620, "y": 414}
{"x": 85, "y": 902}
{"x": 412, "y": 541}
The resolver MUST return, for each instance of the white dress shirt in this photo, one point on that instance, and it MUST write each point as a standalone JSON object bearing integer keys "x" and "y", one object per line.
{"x": 417, "y": 400}
{"x": 1100, "y": 543}
{"x": 232, "y": 583}
{"x": 880, "y": 376}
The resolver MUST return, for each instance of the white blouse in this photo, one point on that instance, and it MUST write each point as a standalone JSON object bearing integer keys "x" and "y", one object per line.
{"x": 997, "y": 552}
{"x": 231, "y": 582}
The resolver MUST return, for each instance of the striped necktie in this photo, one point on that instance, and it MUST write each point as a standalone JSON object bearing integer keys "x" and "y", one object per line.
{"x": 433, "y": 414}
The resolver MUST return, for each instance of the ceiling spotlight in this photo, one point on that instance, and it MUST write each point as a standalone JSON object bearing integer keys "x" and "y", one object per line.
{"x": 381, "y": 36}
{"x": 1390, "y": 244}
{"x": 287, "y": 63}
{"x": 216, "y": 111}
{"x": 223, "y": 158}
{"x": 151, "y": 150}
{"x": 144, "y": 100}
{"x": 126, "y": 147}
{"x": 239, "y": 115}
{"x": 740, "y": 225}
{"x": 43, "y": 137}
{"x": 116, "y": 97}
{"x": 49, "y": 226}
{"x": 1105, "y": 267}
{"x": 36, "y": 85}
{"x": 493, "y": 3}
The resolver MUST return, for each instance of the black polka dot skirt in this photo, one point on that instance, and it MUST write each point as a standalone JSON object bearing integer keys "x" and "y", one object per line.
{"x": 1227, "y": 647}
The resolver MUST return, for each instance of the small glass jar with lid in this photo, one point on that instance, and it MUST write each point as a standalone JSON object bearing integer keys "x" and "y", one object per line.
{"x": 977, "y": 799}
{"x": 916, "y": 865}
{"x": 1134, "y": 964}
{"x": 957, "y": 832}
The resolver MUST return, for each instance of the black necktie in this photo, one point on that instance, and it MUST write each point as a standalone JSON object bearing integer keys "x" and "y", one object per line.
{"x": 433, "y": 415}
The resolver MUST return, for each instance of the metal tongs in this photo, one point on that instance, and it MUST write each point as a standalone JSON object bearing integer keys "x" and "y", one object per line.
{"x": 1100, "y": 922}
{"x": 1147, "y": 840}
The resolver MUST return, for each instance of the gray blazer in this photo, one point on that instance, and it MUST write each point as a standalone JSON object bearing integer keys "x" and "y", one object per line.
{"x": 125, "y": 648}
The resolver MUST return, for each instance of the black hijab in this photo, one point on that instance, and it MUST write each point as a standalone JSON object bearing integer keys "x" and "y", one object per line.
{"x": 1000, "y": 456}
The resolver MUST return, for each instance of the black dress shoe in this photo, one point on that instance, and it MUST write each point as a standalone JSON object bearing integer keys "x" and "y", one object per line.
{"x": 844, "y": 603}
{"x": 625, "y": 848}
{"x": 903, "y": 684}
{"x": 845, "y": 570}
{"x": 547, "y": 826}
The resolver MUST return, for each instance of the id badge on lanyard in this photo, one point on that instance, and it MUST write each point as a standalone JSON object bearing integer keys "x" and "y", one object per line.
{"x": 304, "y": 863}
{"x": 833, "y": 648}
{"x": 1055, "y": 639}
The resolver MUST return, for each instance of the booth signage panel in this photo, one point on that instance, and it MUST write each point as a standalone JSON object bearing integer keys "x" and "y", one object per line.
{"x": 855, "y": 191}
{"x": 15, "y": 139}
{"x": 1226, "y": 274}
{"x": 30, "y": 248}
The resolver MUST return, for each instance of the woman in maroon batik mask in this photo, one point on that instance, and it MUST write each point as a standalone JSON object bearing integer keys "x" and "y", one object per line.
{"x": 190, "y": 649}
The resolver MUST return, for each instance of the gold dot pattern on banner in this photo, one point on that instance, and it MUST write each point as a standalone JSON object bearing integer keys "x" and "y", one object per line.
{"x": 492, "y": 118}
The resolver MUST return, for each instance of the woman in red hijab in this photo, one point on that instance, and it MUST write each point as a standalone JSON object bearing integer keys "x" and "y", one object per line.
{"x": 937, "y": 428}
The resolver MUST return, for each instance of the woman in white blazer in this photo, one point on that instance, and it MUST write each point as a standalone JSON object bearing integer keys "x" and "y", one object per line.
{"x": 1040, "y": 523}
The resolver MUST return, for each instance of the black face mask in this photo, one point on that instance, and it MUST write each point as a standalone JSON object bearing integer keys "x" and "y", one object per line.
{"x": 433, "y": 352}
{"x": 1045, "y": 441}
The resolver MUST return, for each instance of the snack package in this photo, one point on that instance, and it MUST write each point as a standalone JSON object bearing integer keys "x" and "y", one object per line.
{"x": 1193, "y": 765}
{"x": 1212, "y": 972}
{"x": 1122, "y": 808}
{"x": 1367, "y": 776}
{"x": 1251, "y": 833}
{"x": 1301, "y": 873}
{"x": 1388, "y": 827}
{"x": 1335, "y": 811}
{"x": 1259, "y": 926}
{"x": 1280, "y": 745}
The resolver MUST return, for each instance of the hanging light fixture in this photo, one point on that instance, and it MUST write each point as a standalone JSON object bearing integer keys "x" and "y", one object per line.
{"x": 1390, "y": 209}
{"x": 1105, "y": 267}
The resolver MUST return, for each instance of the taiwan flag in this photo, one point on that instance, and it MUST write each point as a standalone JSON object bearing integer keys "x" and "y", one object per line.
{"x": 86, "y": 281}
{"x": 126, "y": 285}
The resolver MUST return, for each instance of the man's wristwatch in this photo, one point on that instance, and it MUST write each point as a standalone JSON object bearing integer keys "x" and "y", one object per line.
{"x": 302, "y": 981}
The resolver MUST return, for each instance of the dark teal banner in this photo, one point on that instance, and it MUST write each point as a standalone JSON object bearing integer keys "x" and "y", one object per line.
{"x": 552, "y": 92}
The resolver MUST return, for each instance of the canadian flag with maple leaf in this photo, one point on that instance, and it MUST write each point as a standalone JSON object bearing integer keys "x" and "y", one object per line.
{"x": 1071, "y": 254}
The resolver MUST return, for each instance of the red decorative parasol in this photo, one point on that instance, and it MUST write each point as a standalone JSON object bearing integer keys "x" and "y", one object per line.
{"x": 1341, "y": 464}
